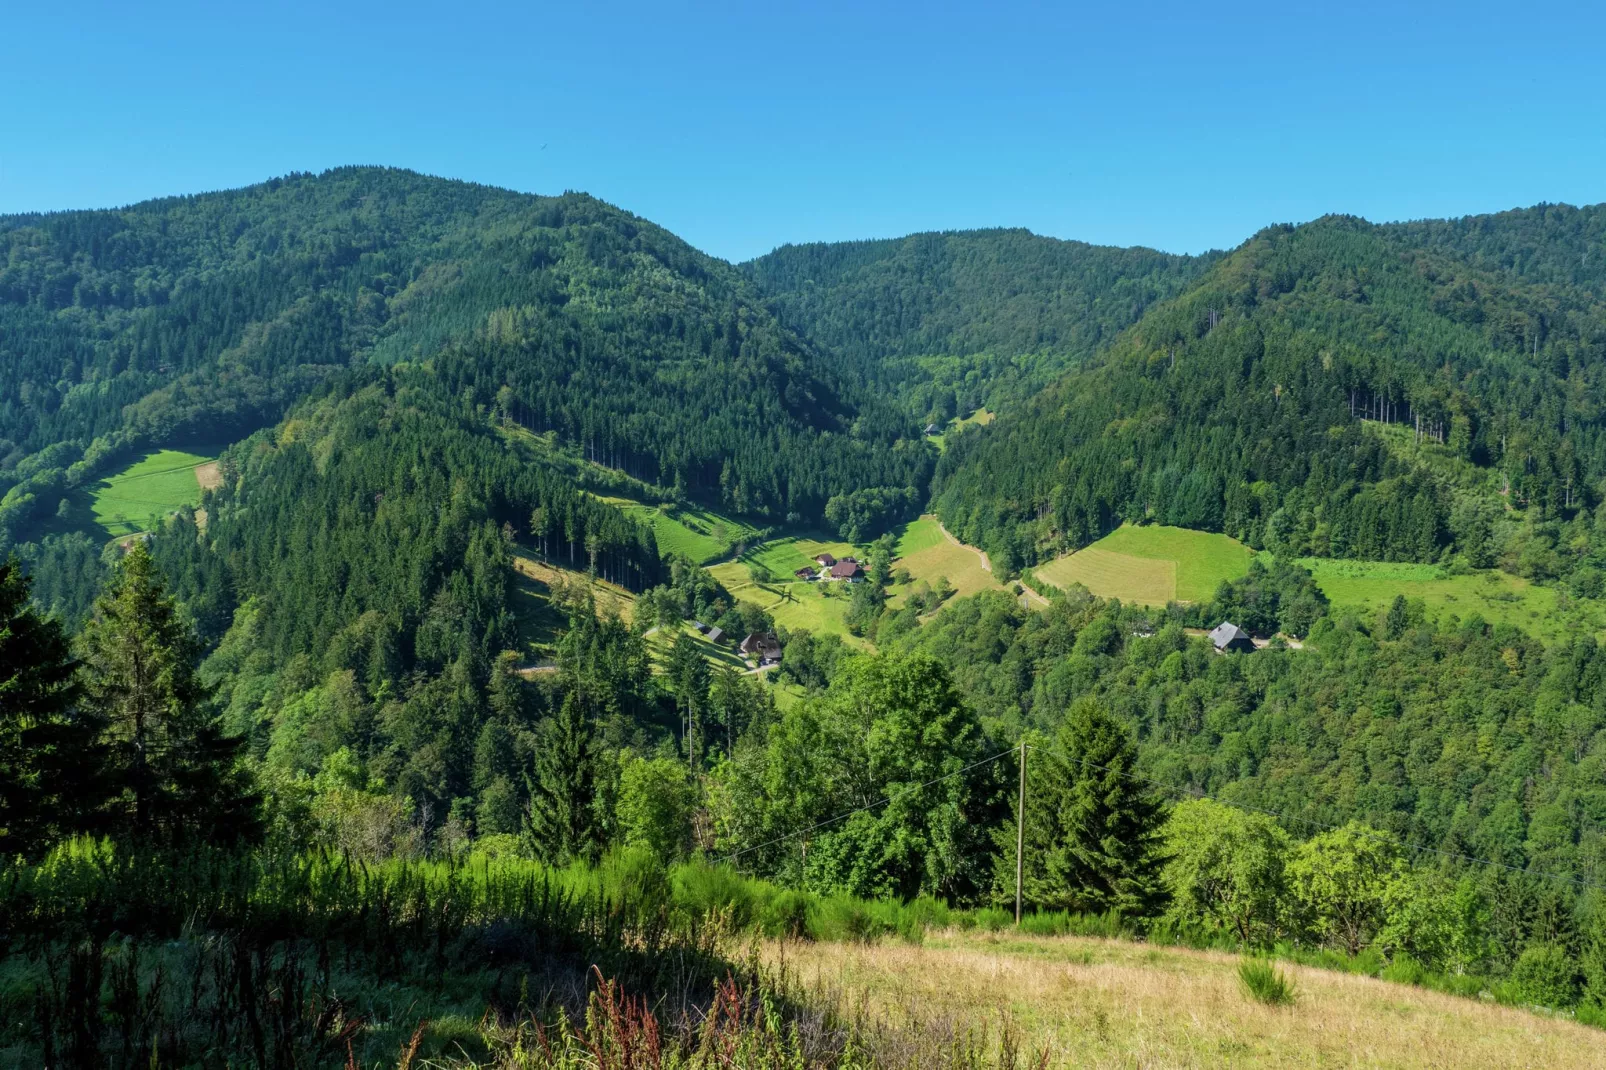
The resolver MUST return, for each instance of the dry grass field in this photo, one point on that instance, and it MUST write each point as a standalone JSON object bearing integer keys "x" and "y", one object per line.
{"x": 1108, "y": 574}
{"x": 1079, "y": 1002}
{"x": 928, "y": 552}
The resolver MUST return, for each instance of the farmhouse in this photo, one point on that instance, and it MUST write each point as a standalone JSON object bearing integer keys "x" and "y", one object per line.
{"x": 805, "y": 573}
{"x": 1229, "y": 638}
{"x": 824, "y": 560}
{"x": 847, "y": 569}
{"x": 762, "y": 645}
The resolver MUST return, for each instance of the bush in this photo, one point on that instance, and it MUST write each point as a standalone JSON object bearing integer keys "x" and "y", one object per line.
{"x": 992, "y": 919}
{"x": 1404, "y": 970}
{"x": 787, "y": 915}
{"x": 1266, "y": 983}
{"x": 1546, "y": 975}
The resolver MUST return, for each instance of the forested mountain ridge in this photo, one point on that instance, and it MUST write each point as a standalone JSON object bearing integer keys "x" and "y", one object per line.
{"x": 960, "y": 319}
{"x": 1253, "y": 404}
{"x": 200, "y": 319}
{"x": 210, "y": 307}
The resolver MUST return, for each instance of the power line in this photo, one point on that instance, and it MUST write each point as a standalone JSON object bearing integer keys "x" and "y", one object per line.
{"x": 868, "y": 806}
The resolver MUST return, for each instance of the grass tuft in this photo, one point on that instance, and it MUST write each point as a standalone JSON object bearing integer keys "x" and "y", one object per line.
{"x": 1266, "y": 983}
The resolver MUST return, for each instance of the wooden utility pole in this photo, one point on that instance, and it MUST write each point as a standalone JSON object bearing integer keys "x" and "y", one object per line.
{"x": 1020, "y": 831}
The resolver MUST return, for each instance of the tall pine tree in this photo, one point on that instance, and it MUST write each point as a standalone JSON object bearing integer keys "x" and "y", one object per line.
{"x": 178, "y": 776}
{"x": 564, "y": 822}
{"x": 51, "y": 766}
{"x": 1092, "y": 831}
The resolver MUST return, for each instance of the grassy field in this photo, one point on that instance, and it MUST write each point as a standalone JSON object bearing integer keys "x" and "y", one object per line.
{"x": 979, "y": 418}
{"x": 659, "y": 642}
{"x": 922, "y": 549}
{"x": 785, "y": 555}
{"x": 159, "y": 483}
{"x": 812, "y": 606}
{"x": 928, "y": 554}
{"x": 1080, "y": 1002}
{"x": 701, "y": 534}
{"x": 540, "y": 622}
{"x": 1498, "y": 597}
{"x": 1152, "y": 565}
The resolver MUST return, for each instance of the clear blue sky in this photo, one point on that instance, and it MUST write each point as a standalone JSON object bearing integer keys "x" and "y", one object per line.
{"x": 1183, "y": 126}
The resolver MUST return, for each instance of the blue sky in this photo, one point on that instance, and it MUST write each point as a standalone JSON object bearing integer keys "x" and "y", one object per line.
{"x": 742, "y": 126}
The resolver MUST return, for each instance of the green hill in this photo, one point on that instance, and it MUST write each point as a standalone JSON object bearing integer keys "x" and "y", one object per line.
{"x": 961, "y": 319}
{"x": 201, "y": 319}
{"x": 1247, "y": 406}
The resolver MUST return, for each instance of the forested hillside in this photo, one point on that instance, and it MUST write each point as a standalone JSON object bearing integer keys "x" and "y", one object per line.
{"x": 1336, "y": 389}
{"x": 200, "y": 319}
{"x": 961, "y": 319}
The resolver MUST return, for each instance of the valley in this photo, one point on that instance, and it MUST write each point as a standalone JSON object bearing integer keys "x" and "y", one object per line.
{"x": 450, "y": 686}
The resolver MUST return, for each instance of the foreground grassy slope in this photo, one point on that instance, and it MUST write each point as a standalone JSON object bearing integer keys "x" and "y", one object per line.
{"x": 1152, "y": 565}
{"x": 1081, "y": 1002}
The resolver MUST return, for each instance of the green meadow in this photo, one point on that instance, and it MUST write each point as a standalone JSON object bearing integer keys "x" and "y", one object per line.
{"x": 701, "y": 534}
{"x": 159, "y": 483}
{"x": 1152, "y": 565}
{"x": 1497, "y": 597}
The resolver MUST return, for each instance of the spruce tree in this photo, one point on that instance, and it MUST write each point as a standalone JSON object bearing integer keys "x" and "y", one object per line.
{"x": 177, "y": 775}
{"x": 1092, "y": 831}
{"x": 564, "y": 823}
{"x": 52, "y": 769}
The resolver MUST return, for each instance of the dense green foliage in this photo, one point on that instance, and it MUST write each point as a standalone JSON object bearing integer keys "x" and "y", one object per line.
{"x": 958, "y": 320}
{"x": 1243, "y": 405}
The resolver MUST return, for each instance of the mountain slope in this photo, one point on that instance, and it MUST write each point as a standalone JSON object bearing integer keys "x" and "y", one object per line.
{"x": 965, "y": 318}
{"x": 1335, "y": 389}
{"x": 200, "y": 319}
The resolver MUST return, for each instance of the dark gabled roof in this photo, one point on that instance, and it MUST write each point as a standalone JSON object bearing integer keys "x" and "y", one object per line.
{"x": 845, "y": 569}
{"x": 762, "y": 641}
{"x": 825, "y": 559}
{"x": 931, "y": 429}
{"x": 804, "y": 571}
{"x": 1227, "y": 633}
{"x": 716, "y": 635}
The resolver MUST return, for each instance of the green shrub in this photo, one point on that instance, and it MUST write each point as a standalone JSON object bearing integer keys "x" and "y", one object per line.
{"x": 1404, "y": 970}
{"x": 1264, "y": 982}
{"x": 787, "y": 915}
{"x": 992, "y": 919}
{"x": 842, "y": 917}
{"x": 1046, "y": 923}
{"x": 1546, "y": 975}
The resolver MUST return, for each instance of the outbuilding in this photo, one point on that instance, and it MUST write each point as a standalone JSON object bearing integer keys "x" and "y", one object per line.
{"x": 1231, "y": 639}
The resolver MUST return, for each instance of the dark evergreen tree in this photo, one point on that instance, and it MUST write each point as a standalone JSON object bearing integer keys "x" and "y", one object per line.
{"x": 177, "y": 775}
{"x": 564, "y": 823}
{"x": 1092, "y": 830}
{"x": 52, "y": 766}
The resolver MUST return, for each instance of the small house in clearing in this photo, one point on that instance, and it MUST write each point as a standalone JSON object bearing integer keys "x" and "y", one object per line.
{"x": 805, "y": 573}
{"x": 847, "y": 569}
{"x": 931, "y": 429}
{"x": 716, "y": 635}
{"x": 824, "y": 560}
{"x": 1229, "y": 638}
{"x": 762, "y": 645}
